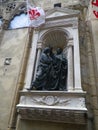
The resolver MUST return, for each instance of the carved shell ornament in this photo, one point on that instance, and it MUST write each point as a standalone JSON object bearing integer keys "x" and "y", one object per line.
{"x": 49, "y": 100}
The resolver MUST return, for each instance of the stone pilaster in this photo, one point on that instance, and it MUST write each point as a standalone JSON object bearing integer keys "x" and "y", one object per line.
{"x": 37, "y": 58}
{"x": 77, "y": 70}
{"x": 70, "y": 66}
{"x": 31, "y": 62}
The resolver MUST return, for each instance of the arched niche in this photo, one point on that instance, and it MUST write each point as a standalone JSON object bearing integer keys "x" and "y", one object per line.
{"x": 18, "y": 17}
{"x": 57, "y": 33}
{"x": 53, "y": 38}
{"x": 12, "y": 10}
{"x": 56, "y": 37}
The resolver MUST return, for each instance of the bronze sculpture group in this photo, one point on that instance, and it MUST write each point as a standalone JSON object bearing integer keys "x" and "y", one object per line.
{"x": 51, "y": 71}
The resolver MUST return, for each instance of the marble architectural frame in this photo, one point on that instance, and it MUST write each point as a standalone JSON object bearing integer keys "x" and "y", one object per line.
{"x": 66, "y": 48}
{"x": 58, "y": 103}
{"x": 69, "y": 26}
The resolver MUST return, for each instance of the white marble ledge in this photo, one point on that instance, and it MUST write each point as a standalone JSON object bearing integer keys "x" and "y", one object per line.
{"x": 82, "y": 110}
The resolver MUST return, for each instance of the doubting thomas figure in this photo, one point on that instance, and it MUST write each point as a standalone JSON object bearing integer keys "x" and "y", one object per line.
{"x": 51, "y": 72}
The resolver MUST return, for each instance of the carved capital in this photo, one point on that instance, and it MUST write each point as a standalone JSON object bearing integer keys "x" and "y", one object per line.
{"x": 69, "y": 42}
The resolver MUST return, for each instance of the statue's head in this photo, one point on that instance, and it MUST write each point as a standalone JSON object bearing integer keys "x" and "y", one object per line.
{"x": 59, "y": 50}
{"x": 47, "y": 50}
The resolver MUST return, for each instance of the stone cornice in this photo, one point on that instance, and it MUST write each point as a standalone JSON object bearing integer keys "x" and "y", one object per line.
{"x": 61, "y": 22}
{"x": 25, "y": 92}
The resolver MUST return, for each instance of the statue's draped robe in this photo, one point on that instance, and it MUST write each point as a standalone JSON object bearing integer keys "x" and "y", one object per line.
{"x": 42, "y": 75}
{"x": 51, "y": 73}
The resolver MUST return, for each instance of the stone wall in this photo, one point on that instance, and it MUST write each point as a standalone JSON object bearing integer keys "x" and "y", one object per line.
{"x": 92, "y": 46}
{"x": 13, "y": 47}
{"x": 40, "y": 125}
{"x": 9, "y": 74}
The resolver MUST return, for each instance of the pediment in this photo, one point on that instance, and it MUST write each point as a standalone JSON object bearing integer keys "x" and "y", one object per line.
{"x": 57, "y": 12}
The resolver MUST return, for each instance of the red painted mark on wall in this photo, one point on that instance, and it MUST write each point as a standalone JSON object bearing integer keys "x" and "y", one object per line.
{"x": 95, "y": 3}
